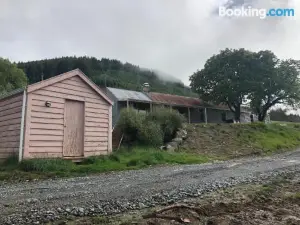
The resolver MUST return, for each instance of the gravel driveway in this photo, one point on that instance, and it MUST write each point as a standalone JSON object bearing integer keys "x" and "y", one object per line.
{"x": 42, "y": 201}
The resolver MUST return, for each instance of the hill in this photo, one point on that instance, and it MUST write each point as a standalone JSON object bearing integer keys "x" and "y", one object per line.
{"x": 105, "y": 72}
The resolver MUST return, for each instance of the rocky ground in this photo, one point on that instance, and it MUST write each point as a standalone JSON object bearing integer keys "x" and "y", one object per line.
{"x": 57, "y": 200}
{"x": 276, "y": 202}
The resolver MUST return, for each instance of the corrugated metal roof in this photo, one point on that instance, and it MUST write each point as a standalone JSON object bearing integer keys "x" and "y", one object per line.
{"x": 175, "y": 99}
{"x": 183, "y": 101}
{"x": 167, "y": 99}
{"x": 124, "y": 95}
{"x": 14, "y": 92}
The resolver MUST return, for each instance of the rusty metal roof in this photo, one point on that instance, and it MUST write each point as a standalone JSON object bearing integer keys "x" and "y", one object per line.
{"x": 167, "y": 99}
{"x": 124, "y": 95}
{"x": 182, "y": 101}
{"x": 175, "y": 100}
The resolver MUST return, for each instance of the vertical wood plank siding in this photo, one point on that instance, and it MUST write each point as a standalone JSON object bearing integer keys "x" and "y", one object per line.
{"x": 10, "y": 125}
{"x": 46, "y": 124}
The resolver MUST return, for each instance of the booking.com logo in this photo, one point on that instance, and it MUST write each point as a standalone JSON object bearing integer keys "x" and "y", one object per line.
{"x": 254, "y": 12}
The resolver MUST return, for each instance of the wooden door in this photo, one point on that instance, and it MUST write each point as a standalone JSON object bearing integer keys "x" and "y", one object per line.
{"x": 73, "y": 129}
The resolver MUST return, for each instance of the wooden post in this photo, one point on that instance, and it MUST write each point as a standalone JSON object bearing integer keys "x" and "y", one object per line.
{"x": 127, "y": 104}
{"x": 151, "y": 107}
{"x": 189, "y": 115}
{"x": 205, "y": 115}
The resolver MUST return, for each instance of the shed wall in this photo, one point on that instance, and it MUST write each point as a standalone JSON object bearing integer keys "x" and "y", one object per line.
{"x": 45, "y": 125}
{"x": 10, "y": 125}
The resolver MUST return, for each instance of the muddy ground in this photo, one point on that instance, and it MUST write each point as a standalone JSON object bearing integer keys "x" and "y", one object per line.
{"x": 277, "y": 202}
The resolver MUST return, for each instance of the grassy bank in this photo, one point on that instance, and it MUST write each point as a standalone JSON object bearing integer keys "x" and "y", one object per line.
{"x": 235, "y": 140}
{"x": 205, "y": 142}
{"x": 124, "y": 160}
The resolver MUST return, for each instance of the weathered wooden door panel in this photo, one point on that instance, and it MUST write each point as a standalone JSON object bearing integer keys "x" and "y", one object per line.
{"x": 73, "y": 129}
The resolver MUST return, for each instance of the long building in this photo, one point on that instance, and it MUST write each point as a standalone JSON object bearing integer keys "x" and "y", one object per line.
{"x": 194, "y": 109}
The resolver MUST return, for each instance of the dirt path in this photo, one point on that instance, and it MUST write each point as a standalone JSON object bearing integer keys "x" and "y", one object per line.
{"x": 39, "y": 202}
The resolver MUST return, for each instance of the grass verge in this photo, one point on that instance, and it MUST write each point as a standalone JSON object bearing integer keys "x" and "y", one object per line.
{"x": 123, "y": 160}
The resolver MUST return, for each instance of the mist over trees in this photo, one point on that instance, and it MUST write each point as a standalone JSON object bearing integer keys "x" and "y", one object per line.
{"x": 236, "y": 77}
{"x": 104, "y": 72}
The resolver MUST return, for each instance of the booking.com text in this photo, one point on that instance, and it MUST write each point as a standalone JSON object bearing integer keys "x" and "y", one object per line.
{"x": 256, "y": 12}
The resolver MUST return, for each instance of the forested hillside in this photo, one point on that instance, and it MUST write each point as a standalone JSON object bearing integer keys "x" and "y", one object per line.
{"x": 104, "y": 72}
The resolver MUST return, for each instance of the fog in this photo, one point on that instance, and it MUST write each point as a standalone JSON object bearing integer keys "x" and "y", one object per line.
{"x": 174, "y": 37}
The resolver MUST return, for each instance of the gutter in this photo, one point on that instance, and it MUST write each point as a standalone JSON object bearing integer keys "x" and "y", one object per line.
{"x": 21, "y": 144}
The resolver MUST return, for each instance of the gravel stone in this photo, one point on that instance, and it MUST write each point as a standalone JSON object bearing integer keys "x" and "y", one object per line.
{"x": 116, "y": 192}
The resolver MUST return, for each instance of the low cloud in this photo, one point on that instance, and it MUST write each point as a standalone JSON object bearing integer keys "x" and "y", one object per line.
{"x": 175, "y": 37}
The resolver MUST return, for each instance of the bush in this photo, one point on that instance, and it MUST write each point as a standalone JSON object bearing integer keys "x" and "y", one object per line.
{"x": 130, "y": 123}
{"x": 150, "y": 134}
{"x": 169, "y": 120}
{"x": 152, "y": 129}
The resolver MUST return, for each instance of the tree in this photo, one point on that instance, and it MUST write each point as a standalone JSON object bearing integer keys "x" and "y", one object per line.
{"x": 11, "y": 77}
{"x": 225, "y": 79}
{"x": 276, "y": 82}
{"x": 118, "y": 75}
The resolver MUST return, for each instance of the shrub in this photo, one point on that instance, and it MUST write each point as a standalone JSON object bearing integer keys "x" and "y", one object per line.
{"x": 150, "y": 134}
{"x": 152, "y": 129}
{"x": 169, "y": 120}
{"x": 130, "y": 123}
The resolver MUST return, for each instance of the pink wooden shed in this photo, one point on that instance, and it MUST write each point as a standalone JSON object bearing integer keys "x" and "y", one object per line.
{"x": 66, "y": 116}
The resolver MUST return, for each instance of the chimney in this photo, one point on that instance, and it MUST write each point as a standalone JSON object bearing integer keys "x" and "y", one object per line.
{"x": 146, "y": 87}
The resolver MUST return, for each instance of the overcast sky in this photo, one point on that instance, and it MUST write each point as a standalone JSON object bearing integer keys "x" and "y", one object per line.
{"x": 174, "y": 36}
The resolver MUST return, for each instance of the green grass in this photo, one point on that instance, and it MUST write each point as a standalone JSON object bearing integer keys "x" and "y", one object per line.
{"x": 273, "y": 137}
{"x": 205, "y": 143}
{"x": 123, "y": 160}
